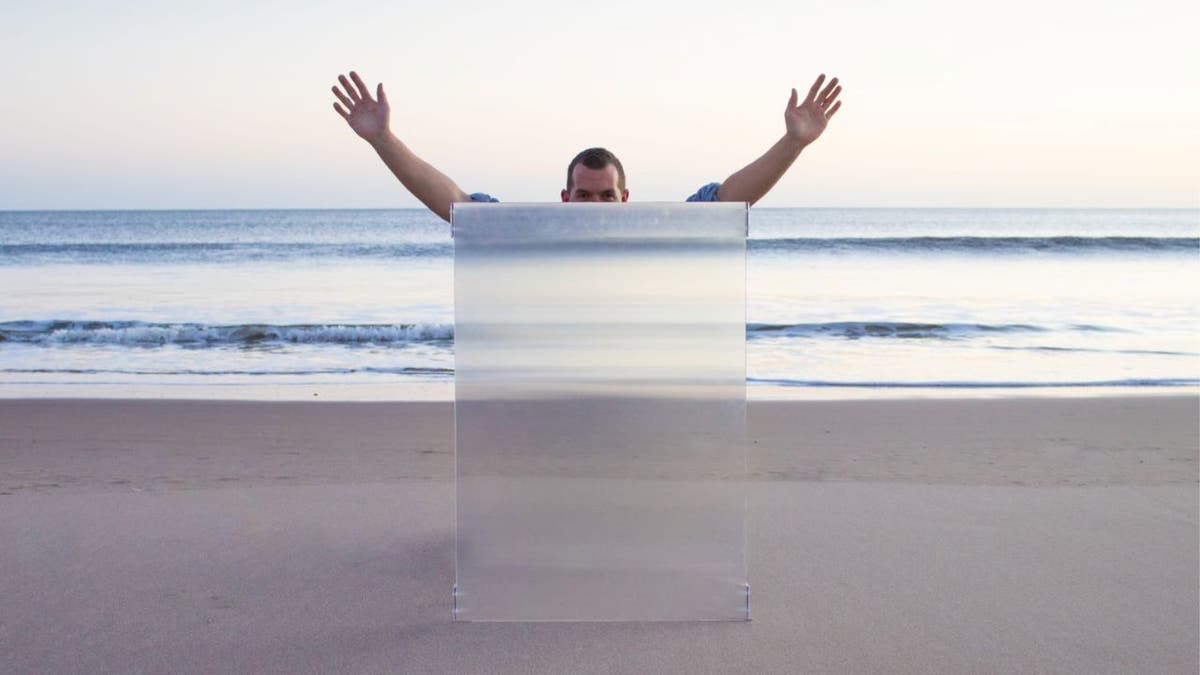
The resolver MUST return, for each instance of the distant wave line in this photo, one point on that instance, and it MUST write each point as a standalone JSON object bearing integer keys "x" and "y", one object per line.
{"x": 191, "y": 334}
{"x": 190, "y": 371}
{"x": 136, "y": 333}
{"x": 902, "y": 329}
{"x": 982, "y": 245}
{"x": 174, "y": 252}
{"x": 783, "y": 382}
{"x": 1085, "y": 350}
{"x": 959, "y": 384}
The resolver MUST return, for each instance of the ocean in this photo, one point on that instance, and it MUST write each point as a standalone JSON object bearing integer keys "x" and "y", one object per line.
{"x": 358, "y": 304}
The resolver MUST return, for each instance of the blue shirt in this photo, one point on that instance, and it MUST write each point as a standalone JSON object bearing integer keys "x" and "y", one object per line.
{"x": 708, "y": 193}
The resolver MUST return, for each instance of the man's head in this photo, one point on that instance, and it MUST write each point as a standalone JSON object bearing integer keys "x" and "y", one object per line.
{"x": 595, "y": 175}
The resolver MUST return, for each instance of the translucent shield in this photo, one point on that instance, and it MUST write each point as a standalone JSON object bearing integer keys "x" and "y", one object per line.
{"x": 600, "y": 412}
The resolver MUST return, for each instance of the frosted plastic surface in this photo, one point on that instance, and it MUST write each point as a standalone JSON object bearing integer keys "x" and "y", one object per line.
{"x": 600, "y": 412}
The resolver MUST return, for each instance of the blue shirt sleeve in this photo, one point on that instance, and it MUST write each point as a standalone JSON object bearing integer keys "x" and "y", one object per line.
{"x": 708, "y": 193}
{"x": 482, "y": 197}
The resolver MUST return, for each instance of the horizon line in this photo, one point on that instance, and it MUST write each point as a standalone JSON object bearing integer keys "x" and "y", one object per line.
{"x": 1195, "y": 207}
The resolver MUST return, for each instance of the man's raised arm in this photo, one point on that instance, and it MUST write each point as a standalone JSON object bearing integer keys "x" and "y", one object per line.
{"x": 804, "y": 123}
{"x": 368, "y": 117}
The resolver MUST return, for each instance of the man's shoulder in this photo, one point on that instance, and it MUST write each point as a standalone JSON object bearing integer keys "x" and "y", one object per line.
{"x": 708, "y": 193}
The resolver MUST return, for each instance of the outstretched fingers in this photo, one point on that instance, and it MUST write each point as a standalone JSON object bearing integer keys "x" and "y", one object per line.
{"x": 349, "y": 89}
{"x": 812, "y": 91}
{"x": 829, "y": 93}
{"x": 342, "y": 97}
{"x": 824, "y": 99}
{"x": 362, "y": 88}
{"x": 829, "y": 99}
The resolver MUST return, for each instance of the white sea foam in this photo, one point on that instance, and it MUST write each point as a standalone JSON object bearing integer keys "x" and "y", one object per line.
{"x": 133, "y": 333}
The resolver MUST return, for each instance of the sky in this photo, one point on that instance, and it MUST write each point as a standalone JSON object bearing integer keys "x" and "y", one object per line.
{"x": 1054, "y": 103}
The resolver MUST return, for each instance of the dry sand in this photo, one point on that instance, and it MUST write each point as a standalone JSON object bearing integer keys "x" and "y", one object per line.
{"x": 1023, "y": 535}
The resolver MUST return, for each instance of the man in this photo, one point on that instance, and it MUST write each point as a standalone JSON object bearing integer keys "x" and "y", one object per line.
{"x": 595, "y": 174}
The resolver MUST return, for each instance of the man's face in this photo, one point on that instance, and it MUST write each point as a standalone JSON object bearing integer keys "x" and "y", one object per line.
{"x": 595, "y": 185}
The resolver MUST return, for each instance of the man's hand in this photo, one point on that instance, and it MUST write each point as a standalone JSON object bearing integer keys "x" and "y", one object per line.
{"x": 367, "y": 116}
{"x": 806, "y": 121}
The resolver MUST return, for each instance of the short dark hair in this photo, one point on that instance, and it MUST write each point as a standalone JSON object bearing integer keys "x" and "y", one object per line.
{"x": 596, "y": 158}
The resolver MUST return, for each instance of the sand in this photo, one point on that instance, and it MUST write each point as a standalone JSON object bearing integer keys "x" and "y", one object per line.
{"x": 1055, "y": 535}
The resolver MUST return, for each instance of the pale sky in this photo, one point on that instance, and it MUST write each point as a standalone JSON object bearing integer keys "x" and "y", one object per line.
{"x": 147, "y": 104}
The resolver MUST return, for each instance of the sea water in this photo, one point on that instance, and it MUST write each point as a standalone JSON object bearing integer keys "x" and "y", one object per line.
{"x": 359, "y": 303}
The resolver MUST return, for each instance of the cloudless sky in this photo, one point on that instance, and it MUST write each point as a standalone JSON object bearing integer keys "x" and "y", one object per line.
{"x": 223, "y": 104}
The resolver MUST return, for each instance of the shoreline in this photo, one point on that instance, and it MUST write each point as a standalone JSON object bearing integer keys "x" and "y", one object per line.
{"x": 443, "y": 391}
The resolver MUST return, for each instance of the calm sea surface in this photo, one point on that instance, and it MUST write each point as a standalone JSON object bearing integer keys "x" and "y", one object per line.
{"x": 358, "y": 304}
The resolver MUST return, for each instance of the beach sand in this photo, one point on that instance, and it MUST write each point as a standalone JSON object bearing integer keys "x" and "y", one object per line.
{"x": 1031, "y": 535}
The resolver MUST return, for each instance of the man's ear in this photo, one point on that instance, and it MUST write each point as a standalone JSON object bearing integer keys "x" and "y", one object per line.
{"x": 624, "y": 195}
{"x": 566, "y": 196}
